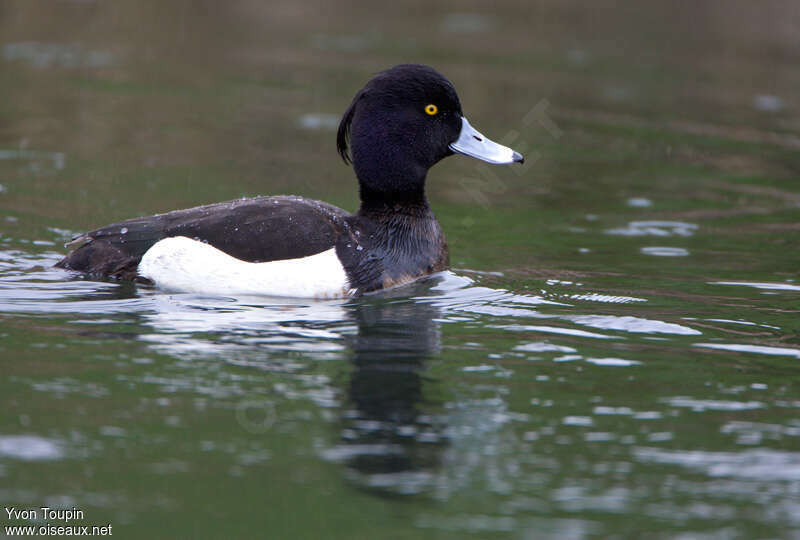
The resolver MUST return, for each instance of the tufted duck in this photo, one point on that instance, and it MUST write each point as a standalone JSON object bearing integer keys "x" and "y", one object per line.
{"x": 404, "y": 121}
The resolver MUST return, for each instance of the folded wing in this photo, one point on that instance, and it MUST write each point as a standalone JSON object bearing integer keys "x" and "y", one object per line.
{"x": 259, "y": 229}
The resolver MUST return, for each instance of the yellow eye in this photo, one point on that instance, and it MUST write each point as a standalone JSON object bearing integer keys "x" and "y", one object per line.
{"x": 431, "y": 109}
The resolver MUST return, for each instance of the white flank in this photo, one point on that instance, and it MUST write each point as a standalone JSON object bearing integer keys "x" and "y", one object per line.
{"x": 181, "y": 264}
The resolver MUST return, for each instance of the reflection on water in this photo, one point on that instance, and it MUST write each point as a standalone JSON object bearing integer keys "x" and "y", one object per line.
{"x": 387, "y": 437}
{"x": 655, "y": 228}
{"x": 448, "y": 389}
{"x": 780, "y": 351}
{"x": 29, "y": 448}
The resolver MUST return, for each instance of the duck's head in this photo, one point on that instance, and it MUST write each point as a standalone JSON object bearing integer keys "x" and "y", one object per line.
{"x": 404, "y": 121}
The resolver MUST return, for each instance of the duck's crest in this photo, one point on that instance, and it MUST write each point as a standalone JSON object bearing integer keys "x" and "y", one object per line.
{"x": 343, "y": 135}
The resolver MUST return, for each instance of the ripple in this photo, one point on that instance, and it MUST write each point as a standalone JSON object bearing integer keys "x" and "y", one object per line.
{"x": 577, "y": 421}
{"x": 631, "y": 324}
{"x": 29, "y": 448}
{"x": 612, "y": 362}
{"x": 64, "y": 385}
{"x": 552, "y": 330}
{"x": 760, "y": 285}
{"x": 182, "y": 313}
{"x": 755, "y": 349}
{"x": 664, "y": 251}
{"x": 742, "y": 322}
{"x": 700, "y": 405}
{"x": 774, "y": 431}
{"x": 606, "y": 410}
{"x": 467, "y": 522}
{"x": 594, "y": 297}
{"x": 655, "y": 228}
{"x": 541, "y": 346}
{"x": 760, "y": 464}
{"x": 344, "y": 452}
{"x": 403, "y": 483}
{"x": 639, "y": 202}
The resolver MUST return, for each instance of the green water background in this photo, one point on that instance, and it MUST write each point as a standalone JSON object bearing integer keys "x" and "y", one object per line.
{"x": 615, "y": 355}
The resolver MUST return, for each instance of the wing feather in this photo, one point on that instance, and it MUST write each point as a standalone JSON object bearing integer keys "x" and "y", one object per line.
{"x": 259, "y": 229}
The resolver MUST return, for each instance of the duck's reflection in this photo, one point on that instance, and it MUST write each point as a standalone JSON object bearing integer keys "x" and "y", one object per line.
{"x": 389, "y": 432}
{"x": 387, "y": 440}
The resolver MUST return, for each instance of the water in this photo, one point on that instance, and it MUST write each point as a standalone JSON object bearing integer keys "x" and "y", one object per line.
{"x": 615, "y": 354}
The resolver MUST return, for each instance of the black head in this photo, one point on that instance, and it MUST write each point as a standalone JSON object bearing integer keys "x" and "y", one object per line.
{"x": 398, "y": 126}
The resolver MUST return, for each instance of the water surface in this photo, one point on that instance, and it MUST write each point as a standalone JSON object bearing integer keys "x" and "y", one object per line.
{"x": 616, "y": 352}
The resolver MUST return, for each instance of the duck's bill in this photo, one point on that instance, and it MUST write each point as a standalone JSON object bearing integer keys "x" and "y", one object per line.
{"x": 471, "y": 142}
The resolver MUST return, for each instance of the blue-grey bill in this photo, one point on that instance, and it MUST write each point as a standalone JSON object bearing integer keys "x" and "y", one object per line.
{"x": 471, "y": 142}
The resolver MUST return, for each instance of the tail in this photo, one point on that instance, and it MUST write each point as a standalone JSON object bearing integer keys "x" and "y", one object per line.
{"x": 98, "y": 258}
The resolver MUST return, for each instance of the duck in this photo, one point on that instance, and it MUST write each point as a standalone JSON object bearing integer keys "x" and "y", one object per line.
{"x": 400, "y": 124}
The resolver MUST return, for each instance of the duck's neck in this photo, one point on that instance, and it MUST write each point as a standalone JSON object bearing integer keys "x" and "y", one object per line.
{"x": 392, "y": 192}
{"x": 399, "y": 227}
{"x": 402, "y": 226}
{"x": 379, "y": 206}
